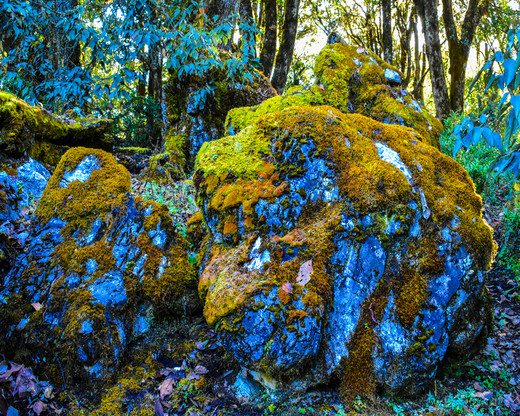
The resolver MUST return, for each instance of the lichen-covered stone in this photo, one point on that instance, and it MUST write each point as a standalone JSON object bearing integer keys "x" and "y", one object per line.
{"x": 353, "y": 80}
{"x": 340, "y": 245}
{"x": 195, "y": 122}
{"x": 97, "y": 265}
{"x": 35, "y": 131}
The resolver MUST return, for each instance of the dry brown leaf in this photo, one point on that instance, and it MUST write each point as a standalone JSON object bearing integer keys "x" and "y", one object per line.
{"x": 166, "y": 387}
{"x": 201, "y": 369}
{"x": 304, "y": 275}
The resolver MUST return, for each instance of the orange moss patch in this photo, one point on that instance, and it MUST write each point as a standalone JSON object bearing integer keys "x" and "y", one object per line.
{"x": 225, "y": 286}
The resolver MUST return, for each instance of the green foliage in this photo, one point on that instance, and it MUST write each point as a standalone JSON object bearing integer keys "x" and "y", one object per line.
{"x": 117, "y": 40}
{"x": 177, "y": 196}
{"x": 477, "y": 161}
{"x": 498, "y": 124}
{"x": 131, "y": 120}
{"x": 508, "y": 255}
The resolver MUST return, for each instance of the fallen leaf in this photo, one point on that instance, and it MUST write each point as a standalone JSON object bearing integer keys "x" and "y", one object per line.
{"x": 478, "y": 387}
{"x": 193, "y": 376}
{"x": 14, "y": 368}
{"x": 201, "y": 370}
{"x": 166, "y": 387}
{"x": 287, "y": 288}
{"x": 159, "y": 411}
{"x": 304, "y": 275}
{"x": 36, "y": 305}
{"x": 486, "y": 395}
{"x": 38, "y": 407}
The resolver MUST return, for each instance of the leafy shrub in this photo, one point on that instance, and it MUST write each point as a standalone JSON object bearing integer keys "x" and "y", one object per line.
{"x": 132, "y": 121}
{"x": 477, "y": 161}
{"x": 498, "y": 124}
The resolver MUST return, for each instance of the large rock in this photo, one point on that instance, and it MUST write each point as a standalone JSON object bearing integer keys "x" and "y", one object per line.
{"x": 352, "y": 80}
{"x": 26, "y": 129}
{"x": 340, "y": 245}
{"x": 21, "y": 185}
{"x": 97, "y": 266}
{"x": 198, "y": 106}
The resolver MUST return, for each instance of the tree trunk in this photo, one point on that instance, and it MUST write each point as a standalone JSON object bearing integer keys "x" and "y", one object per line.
{"x": 459, "y": 47}
{"x": 388, "y": 53}
{"x": 269, "y": 45}
{"x": 246, "y": 17}
{"x": 286, "y": 50}
{"x": 427, "y": 9}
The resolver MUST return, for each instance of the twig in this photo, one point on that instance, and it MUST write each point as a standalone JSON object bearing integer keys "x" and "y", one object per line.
{"x": 372, "y": 314}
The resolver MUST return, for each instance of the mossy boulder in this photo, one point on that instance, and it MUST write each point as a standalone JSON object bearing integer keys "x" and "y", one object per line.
{"x": 342, "y": 246}
{"x": 21, "y": 186}
{"x": 26, "y": 129}
{"x": 353, "y": 80}
{"x": 97, "y": 267}
{"x": 195, "y": 120}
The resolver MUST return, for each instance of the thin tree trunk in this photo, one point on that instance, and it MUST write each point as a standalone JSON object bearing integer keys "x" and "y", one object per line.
{"x": 286, "y": 50}
{"x": 427, "y": 9}
{"x": 388, "y": 53}
{"x": 268, "y": 52}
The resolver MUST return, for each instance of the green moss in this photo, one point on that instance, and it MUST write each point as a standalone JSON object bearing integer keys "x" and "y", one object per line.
{"x": 241, "y": 153}
{"x": 354, "y": 80}
{"x": 46, "y": 152}
{"x": 81, "y": 203}
{"x": 24, "y": 125}
{"x": 239, "y": 118}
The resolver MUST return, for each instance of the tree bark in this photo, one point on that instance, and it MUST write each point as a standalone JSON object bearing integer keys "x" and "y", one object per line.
{"x": 388, "y": 53}
{"x": 427, "y": 9}
{"x": 459, "y": 47}
{"x": 286, "y": 50}
{"x": 268, "y": 52}
{"x": 246, "y": 17}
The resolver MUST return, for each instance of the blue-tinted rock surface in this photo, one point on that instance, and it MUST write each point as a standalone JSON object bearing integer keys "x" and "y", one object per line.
{"x": 341, "y": 245}
{"x": 96, "y": 263}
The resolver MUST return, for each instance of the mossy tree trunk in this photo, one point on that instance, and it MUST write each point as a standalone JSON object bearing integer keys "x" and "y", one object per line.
{"x": 388, "y": 52}
{"x": 286, "y": 49}
{"x": 459, "y": 46}
{"x": 427, "y": 9}
{"x": 458, "y": 50}
{"x": 268, "y": 51}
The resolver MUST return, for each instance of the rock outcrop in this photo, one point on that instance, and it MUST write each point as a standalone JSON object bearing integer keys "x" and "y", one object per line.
{"x": 197, "y": 109}
{"x": 97, "y": 266}
{"x": 340, "y": 245}
{"x": 26, "y": 129}
{"x": 353, "y": 80}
